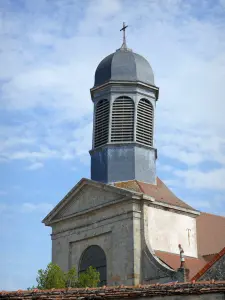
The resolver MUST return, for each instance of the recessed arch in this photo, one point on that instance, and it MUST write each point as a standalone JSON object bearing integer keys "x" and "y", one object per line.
{"x": 122, "y": 120}
{"x": 101, "y": 123}
{"x": 145, "y": 122}
{"x": 94, "y": 256}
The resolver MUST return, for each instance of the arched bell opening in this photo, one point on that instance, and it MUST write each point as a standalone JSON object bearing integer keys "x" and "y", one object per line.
{"x": 94, "y": 256}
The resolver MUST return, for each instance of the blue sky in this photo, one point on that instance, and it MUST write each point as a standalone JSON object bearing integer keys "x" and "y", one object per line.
{"x": 48, "y": 54}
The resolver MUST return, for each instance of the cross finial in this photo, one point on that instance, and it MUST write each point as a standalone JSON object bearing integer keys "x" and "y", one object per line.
{"x": 124, "y": 45}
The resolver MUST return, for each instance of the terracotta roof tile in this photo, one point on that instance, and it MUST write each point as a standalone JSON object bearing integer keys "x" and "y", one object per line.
{"x": 129, "y": 185}
{"x": 209, "y": 257}
{"x": 210, "y": 233}
{"x": 209, "y": 264}
{"x": 159, "y": 191}
{"x": 173, "y": 260}
{"x": 120, "y": 292}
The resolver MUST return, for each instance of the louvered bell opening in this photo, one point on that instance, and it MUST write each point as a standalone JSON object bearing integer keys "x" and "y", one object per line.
{"x": 144, "y": 130}
{"x": 123, "y": 120}
{"x": 101, "y": 123}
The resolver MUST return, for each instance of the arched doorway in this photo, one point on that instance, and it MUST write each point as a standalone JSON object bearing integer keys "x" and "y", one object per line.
{"x": 94, "y": 256}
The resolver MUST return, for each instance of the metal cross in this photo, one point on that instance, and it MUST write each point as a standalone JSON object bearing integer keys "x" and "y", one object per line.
{"x": 123, "y": 29}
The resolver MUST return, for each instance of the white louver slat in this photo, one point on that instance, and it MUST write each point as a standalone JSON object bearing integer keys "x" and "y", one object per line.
{"x": 122, "y": 120}
{"x": 101, "y": 123}
{"x": 144, "y": 130}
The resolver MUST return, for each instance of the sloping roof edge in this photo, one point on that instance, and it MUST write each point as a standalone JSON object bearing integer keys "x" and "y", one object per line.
{"x": 209, "y": 264}
{"x": 194, "y": 264}
{"x": 79, "y": 185}
{"x": 160, "y": 192}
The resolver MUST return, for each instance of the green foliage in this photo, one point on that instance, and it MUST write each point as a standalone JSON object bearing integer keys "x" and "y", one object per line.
{"x": 90, "y": 278}
{"x": 71, "y": 278}
{"x": 54, "y": 277}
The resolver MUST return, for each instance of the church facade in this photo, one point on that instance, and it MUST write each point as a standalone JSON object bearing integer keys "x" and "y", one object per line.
{"x": 124, "y": 221}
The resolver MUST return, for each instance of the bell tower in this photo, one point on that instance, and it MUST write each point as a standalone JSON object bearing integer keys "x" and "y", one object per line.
{"x": 124, "y": 97}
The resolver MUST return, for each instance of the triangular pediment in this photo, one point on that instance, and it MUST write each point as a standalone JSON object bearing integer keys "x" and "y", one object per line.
{"x": 88, "y": 197}
{"x": 85, "y": 196}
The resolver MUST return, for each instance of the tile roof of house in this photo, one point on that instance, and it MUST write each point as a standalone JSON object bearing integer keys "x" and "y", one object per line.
{"x": 210, "y": 233}
{"x": 211, "y": 246}
{"x": 120, "y": 292}
{"x": 209, "y": 264}
{"x": 209, "y": 227}
{"x": 159, "y": 191}
{"x": 173, "y": 261}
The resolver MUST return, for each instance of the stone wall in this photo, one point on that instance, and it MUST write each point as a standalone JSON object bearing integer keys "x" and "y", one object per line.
{"x": 216, "y": 272}
{"x": 112, "y": 231}
{"x": 197, "y": 291}
{"x": 115, "y": 220}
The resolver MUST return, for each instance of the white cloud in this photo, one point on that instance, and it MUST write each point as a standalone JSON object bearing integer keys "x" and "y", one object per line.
{"x": 26, "y": 207}
{"x": 197, "y": 179}
{"x": 48, "y": 56}
{"x": 31, "y": 207}
{"x": 35, "y": 166}
{"x": 49, "y": 66}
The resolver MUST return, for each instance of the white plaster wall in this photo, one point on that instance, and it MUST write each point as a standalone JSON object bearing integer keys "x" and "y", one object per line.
{"x": 167, "y": 229}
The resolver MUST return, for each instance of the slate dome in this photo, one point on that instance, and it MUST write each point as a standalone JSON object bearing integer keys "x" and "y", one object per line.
{"x": 124, "y": 65}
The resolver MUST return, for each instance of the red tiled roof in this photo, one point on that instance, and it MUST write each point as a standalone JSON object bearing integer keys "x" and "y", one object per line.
{"x": 209, "y": 227}
{"x": 209, "y": 257}
{"x": 120, "y": 292}
{"x": 209, "y": 264}
{"x": 210, "y": 233}
{"x": 159, "y": 191}
{"x": 173, "y": 260}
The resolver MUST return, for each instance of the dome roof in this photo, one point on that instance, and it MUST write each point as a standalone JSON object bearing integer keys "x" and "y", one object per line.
{"x": 124, "y": 65}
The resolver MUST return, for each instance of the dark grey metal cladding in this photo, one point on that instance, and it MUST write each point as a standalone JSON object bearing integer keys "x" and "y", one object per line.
{"x": 103, "y": 71}
{"x": 121, "y": 165}
{"x": 99, "y": 164}
{"x": 113, "y": 163}
{"x": 124, "y": 65}
{"x": 144, "y": 70}
{"x": 145, "y": 164}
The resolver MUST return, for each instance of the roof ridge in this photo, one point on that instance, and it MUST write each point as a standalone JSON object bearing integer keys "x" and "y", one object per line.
{"x": 139, "y": 186}
{"x": 210, "y": 214}
{"x": 171, "y": 191}
{"x": 177, "y": 254}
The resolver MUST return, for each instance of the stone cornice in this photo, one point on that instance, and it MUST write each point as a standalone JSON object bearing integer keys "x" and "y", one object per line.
{"x": 176, "y": 208}
{"x": 90, "y": 210}
{"x": 126, "y": 83}
{"x": 101, "y": 223}
{"x": 126, "y": 193}
{"x": 136, "y": 144}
